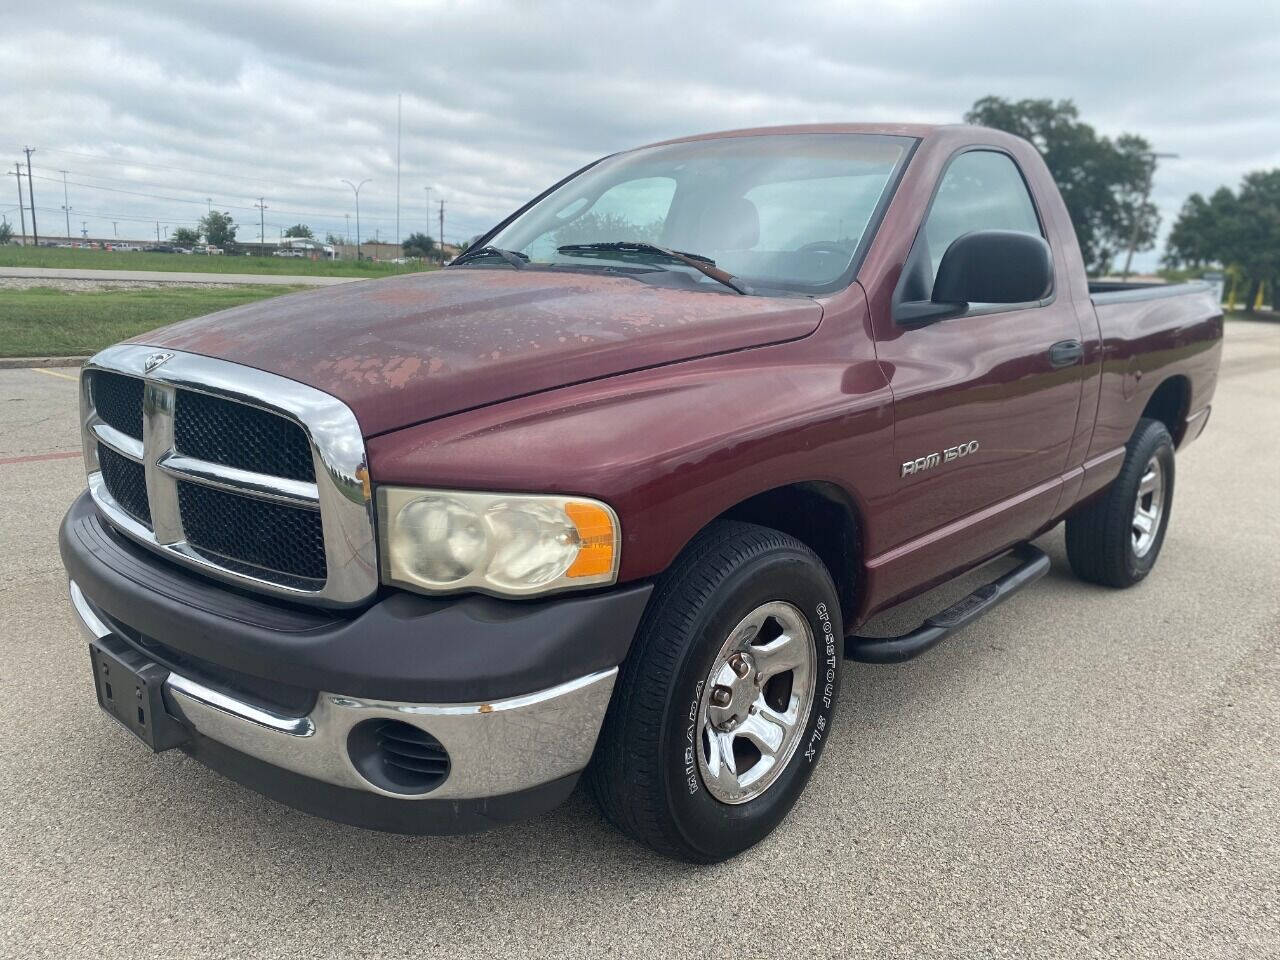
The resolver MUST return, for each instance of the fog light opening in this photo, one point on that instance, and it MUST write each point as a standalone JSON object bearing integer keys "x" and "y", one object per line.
{"x": 397, "y": 757}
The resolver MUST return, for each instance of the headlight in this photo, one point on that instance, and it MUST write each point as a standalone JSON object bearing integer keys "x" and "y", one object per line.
{"x": 437, "y": 541}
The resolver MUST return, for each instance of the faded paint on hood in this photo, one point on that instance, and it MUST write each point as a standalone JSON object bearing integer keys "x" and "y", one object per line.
{"x": 411, "y": 348}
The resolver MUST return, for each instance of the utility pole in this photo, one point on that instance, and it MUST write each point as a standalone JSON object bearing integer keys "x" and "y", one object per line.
{"x": 398, "y": 97}
{"x": 31, "y": 193}
{"x": 66, "y": 204}
{"x": 22, "y": 210}
{"x": 84, "y": 229}
{"x": 442, "y": 231}
{"x": 346, "y": 236}
{"x": 1141, "y": 206}
{"x": 262, "y": 221}
{"x": 356, "y": 190}
{"x": 209, "y": 202}
{"x": 157, "y": 231}
{"x": 115, "y": 232}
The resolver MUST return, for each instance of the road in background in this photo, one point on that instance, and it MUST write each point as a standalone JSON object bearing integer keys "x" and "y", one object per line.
{"x": 1084, "y": 771}
{"x": 167, "y": 276}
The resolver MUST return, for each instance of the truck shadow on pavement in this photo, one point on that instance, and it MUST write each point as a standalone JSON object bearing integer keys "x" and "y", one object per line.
{"x": 575, "y": 842}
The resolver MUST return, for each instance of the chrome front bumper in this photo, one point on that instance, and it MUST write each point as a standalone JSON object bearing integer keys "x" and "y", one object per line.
{"x": 495, "y": 748}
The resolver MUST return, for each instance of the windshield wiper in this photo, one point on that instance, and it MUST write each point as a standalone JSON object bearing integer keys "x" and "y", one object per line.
{"x": 516, "y": 259}
{"x": 700, "y": 263}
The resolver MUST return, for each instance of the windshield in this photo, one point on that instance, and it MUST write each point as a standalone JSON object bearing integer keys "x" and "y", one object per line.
{"x": 785, "y": 211}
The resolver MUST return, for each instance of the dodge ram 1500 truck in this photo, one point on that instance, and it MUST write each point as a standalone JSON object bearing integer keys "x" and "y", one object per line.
{"x": 614, "y": 492}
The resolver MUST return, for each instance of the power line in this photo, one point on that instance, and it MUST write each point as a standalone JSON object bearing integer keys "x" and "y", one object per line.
{"x": 331, "y": 214}
{"x": 98, "y": 214}
{"x": 324, "y": 216}
{"x": 163, "y": 166}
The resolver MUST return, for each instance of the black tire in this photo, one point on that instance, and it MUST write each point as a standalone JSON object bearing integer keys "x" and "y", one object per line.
{"x": 1100, "y": 541}
{"x": 644, "y": 774}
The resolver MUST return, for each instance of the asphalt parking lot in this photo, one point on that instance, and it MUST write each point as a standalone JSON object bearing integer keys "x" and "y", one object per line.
{"x": 1082, "y": 772}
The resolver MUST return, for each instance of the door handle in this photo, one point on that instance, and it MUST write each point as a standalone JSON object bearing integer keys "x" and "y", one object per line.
{"x": 1064, "y": 353}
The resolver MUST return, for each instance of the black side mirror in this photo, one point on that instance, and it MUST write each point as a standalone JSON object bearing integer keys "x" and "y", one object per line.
{"x": 986, "y": 266}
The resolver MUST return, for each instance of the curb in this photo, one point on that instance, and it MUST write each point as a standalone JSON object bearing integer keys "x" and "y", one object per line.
{"x": 22, "y": 363}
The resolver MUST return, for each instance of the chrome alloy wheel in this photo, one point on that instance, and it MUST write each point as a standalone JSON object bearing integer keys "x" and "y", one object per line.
{"x": 1148, "y": 508}
{"x": 755, "y": 703}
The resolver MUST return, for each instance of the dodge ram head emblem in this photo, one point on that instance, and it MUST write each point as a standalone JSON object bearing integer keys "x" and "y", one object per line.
{"x": 154, "y": 360}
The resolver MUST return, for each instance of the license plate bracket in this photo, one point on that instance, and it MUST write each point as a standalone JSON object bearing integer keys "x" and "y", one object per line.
{"x": 130, "y": 688}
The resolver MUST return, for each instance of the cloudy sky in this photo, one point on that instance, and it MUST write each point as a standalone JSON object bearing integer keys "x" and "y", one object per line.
{"x": 156, "y": 110}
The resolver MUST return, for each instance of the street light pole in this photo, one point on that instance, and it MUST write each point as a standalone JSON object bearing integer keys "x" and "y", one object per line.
{"x": 355, "y": 188}
{"x": 1152, "y": 157}
{"x": 66, "y": 204}
{"x": 428, "y": 191}
{"x": 31, "y": 195}
{"x": 262, "y": 221}
{"x": 22, "y": 209}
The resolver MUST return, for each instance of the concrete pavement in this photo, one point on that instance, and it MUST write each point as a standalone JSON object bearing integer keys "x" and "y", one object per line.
{"x": 1084, "y": 772}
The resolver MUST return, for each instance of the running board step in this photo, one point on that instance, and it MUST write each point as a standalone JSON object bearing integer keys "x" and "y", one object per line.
{"x": 1034, "y": 565}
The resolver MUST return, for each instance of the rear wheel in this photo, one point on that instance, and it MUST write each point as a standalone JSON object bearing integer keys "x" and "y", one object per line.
{"x": 724, "y": 704}
{"x": 1116, "y": 539}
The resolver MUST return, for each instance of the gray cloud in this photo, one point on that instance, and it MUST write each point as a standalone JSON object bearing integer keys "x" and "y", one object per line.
{"x": 238, "y": 100}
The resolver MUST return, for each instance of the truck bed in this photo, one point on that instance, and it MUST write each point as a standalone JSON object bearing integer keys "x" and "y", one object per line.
{"x": 1104, "y": 292}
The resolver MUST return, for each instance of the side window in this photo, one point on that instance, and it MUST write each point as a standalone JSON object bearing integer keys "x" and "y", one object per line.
{"x": 632, "y": 210}
{"x": 981, "y": 190}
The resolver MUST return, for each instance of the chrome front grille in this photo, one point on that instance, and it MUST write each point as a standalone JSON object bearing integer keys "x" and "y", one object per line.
{"x": 242, "y": 474}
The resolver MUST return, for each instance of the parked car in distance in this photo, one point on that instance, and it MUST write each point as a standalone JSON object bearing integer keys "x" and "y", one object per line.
{"x": 613, "y": 495}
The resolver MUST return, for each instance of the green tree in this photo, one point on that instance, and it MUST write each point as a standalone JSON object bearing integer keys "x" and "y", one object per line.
{"x": 1104, "y": 183}
{"x": 185, "y": 237}
{"x": 218, "y": 228}
{"x": 6, "y": 232}
{"x": 418, "y": 245}
{"x": 605, "y": 228}
{"x": 1240, "y": 231}
{"x": 299, "y": 230}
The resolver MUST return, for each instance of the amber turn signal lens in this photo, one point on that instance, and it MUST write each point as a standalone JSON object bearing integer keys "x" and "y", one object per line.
{"x": 596, "y": 536}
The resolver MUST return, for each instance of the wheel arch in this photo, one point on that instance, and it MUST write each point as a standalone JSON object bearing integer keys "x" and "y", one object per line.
{"x": 1170, "y": 404}
{"x": 825, "y": 518}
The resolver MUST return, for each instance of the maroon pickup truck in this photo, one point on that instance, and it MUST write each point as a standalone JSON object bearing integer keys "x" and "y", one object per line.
{"x": 614, "y": 492}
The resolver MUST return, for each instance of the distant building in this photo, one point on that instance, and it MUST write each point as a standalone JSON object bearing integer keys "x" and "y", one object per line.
{"x": 306, "y": 246}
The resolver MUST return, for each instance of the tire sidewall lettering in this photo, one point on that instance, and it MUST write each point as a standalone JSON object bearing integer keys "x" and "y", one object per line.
{"x": 686, "y": 787}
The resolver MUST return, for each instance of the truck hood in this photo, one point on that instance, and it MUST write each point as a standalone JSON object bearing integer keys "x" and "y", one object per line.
{"x": 424, "y": 345}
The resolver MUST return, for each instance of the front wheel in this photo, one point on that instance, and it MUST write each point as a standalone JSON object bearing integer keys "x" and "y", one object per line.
{"x": 1115, "y": 539}
{"x": 726, "y": 699}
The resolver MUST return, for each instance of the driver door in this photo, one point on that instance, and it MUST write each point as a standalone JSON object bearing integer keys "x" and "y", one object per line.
{"x": 984, "y": 417}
